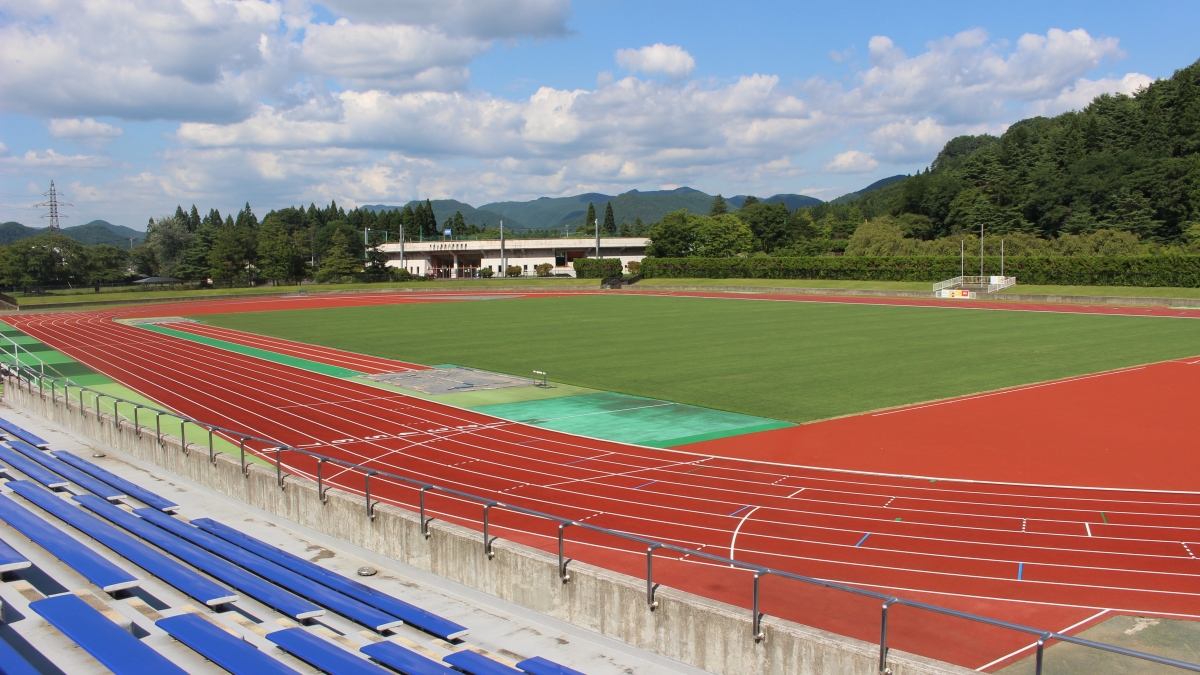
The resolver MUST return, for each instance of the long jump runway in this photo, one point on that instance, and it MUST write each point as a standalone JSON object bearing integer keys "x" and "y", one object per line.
{"x": 1052, "y": 557}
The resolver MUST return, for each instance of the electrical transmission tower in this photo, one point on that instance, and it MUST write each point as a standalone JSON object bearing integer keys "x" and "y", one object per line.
{"x": 53, "y": 204}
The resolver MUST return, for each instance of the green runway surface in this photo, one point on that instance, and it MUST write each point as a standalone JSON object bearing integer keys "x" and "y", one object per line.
{"x": 791, "y": 361}
{"x": 631, "y": 419}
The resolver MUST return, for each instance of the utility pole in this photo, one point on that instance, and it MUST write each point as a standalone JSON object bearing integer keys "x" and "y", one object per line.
{"x": 597, "y": 224}
{"x": 53, "y": 204}
{"x": 503, "y": 257}
{"x": 131, "y": 239}
{"x": 366, "y": 244}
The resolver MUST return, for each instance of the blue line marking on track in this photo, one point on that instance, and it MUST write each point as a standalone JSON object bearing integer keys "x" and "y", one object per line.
{"x": 860, "y": 541}
{"x": 740, "y": 510}
{"x": 645, "y": 484}
{"x": 1020, "y": 570}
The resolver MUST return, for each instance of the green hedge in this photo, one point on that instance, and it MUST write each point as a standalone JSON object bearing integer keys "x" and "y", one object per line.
{"x": 597, "y": 268}
{"x": 1159, "y": 270}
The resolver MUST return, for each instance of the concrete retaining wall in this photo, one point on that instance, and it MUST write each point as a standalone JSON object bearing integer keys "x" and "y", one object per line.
{"x": 689, "y": 628}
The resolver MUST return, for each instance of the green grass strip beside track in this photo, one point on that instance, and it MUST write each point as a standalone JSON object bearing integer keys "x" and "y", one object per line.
{"x": 304, "y": 364}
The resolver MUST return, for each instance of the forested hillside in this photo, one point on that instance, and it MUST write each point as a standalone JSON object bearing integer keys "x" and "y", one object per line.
{"x": 1129, "y": 163}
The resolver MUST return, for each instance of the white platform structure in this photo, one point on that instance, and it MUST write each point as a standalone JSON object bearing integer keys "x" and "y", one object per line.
{"x": 464, "y": 259}
{"x": 968, "y": 287}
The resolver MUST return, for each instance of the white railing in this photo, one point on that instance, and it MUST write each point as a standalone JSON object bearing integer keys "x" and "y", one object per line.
{"x": 993, "y": 283}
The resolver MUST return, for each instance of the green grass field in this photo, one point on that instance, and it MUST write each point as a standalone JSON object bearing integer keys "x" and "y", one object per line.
{"x": 1116, "y": 291}
{"x": 789, "y": 361}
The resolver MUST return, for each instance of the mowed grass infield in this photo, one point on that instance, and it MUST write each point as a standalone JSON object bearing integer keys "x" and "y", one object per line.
{"x": 792, "y": 361}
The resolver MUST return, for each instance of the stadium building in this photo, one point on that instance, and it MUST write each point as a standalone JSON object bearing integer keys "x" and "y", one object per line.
{"x": 464, "y": 259}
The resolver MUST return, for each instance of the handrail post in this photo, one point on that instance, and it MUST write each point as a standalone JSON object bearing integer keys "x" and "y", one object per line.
{"x": 279, "y": 467}
{"x": 487, "y": 544}
{"x": 137, "y": 428}
{"x": 1041, "y": 644}
{"x": 653, "y": 604}
{"x": 183, "y": 437}
{"x": 212, "y": 453}
{"x": 242, "y": 448}
{"x": 883, "y": 648}
{"x": 562, "y": 564}
{"x": 97, "y": 408}
{"x": 759, "y": 636}
{"x": 424, "y": 523}
{"x": 158, "y": 429}
{"x": 370, "y": 508}
{"x": 320, "y": 490}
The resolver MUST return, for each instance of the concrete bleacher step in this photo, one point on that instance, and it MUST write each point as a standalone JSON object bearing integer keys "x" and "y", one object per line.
{"x": 411, "y": 614}
{"x": 51, "y": 463}
{"x": 92, "y": 566}
{"x": 175, "y": 574}
{"x": 114, "y": 647}
{"x": 129, "y": 488}
{"x": 228, "y": 651}
{"x": 283, "y": 577}
{"x": 252, "y": 585}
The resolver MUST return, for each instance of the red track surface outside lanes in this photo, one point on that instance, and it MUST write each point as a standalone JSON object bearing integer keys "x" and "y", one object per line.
{"x": 953, "y": 544}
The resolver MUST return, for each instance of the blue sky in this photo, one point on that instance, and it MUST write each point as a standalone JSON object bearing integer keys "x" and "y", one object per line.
{"x": 134, "y": 106}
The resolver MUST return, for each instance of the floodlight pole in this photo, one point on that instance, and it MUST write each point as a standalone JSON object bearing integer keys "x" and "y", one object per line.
{"x": 981, "y": 252}
{"x": 1001, "y": 257}
{"x": 503, "y": 257}
{"x": 597, "y": 224}
{"x": 962, "y": 258}
{"x": 403, "y": 263}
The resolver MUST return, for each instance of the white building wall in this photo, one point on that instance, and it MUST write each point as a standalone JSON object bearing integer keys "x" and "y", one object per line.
{"x": 419, "y": 257}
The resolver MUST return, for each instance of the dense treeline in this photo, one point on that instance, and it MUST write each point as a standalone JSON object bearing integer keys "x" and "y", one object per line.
{"x": 1120, "y": 177}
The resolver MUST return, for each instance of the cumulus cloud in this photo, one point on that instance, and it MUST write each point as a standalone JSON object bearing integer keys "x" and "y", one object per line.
{"x": 86, "y": 129}
{"x": 49, "y": 159}
{"x": 481, "y": 19}
{"x": 852, "y": 161}
{"x": 669, "y": 60}
{"x": 1083, "y": 91}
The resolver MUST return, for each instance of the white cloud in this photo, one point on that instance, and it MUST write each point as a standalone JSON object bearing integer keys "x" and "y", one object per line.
{"x": 852, "y": 161}
{"x": 86, "y": 129}
{"x": 3, "y": 150}
{"x": 1083, "y": 91}
{"x": 669, "y": 60}
{"x": 49, "y": 159}
{"x": 482, "y": 19}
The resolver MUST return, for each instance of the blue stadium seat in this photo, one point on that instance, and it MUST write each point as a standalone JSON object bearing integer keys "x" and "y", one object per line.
{"x": 227, "y": 651}
{"x": 17, "y": 432}
{"x": 188, "y": 582}
{"x": 539, "y": 666}
{"x": 75, "y": 555}
{"x": 404, "y": 660}
{"x": 10, "y": 559}
{"x": 321, "y": 654}
{"x": 253, "y": 586}
{"x": 412, "y": 615}
{"x": 326, "y": 597}
{"x": 133, "y": 490}
{"x": 30, "y": 468}
{"x": 477, "y": 664}
{"x": 67, "y": 471}
{"x": 12, "y": 663}
{"x": 107, "y": 642}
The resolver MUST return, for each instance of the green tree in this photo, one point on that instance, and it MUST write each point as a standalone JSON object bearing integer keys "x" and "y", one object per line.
{"x": 672, "y": 237}
{"x": 227, "y": 259}
{"x": 277, "y": 259}
{"x": 610, "y": 222}
{"x": 460, "y": 226}
{"x": 169, "y": 239}
{"x": 338, "y": 260}
{"x": 768, "y": 222}
{"x": 105, "y": 263}
{"x": 589, "y": 220}
{"x": 721, "y": 236}
{"x": 719, "y": 207}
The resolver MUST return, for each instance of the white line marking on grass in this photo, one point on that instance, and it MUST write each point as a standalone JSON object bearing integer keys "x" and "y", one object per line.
{"x": 1004, "y": 658}
{"x": 733, "y": 542}
{"x": 1007, "y": 391}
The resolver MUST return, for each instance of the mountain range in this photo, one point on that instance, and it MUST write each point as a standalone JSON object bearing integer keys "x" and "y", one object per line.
{"x": 89, "y": 234}
{"x": 547, "y": 213}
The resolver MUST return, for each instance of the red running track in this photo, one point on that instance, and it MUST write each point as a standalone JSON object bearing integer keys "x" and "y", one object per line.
{"x": 960, "y": 545}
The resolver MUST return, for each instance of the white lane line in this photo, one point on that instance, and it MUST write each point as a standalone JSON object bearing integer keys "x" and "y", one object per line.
{"x": 1064, "y": 631}
{"x": 733, "y": 542}
{"x": 1007, "y": 391}
{"x": 1188, "y": 549}
{"x": 889, "y": 502}
{"x": 1089, "y": 528}
{"x": 796, "y": 492}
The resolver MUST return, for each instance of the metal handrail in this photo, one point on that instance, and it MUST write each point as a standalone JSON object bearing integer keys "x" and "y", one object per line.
{"x": 653, "y": 545}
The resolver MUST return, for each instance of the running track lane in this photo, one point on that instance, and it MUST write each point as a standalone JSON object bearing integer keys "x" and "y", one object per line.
{"x": 698, "y": 501}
